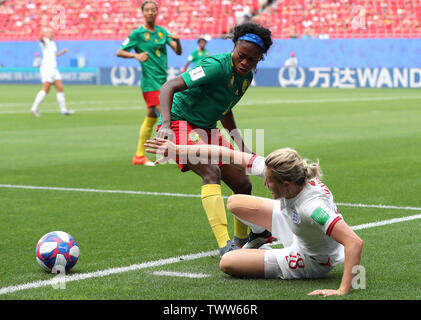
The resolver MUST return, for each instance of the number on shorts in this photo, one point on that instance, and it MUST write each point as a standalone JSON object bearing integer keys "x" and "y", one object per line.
{"x": 295, "y": 261}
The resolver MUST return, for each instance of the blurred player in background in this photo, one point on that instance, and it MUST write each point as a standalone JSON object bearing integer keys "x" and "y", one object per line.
{"x": 37, "y": 60}
{"x": 302, "y": 214}
{"x": 49, "y": 73}
{"x": 191, "y": 106}
{"x": 291, "y": 63}
{"x": 197, "y": 55}
{"x": 149, "y": 43}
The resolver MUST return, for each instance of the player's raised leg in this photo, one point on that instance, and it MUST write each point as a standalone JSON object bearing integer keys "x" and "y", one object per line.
{"x": 256, "y": 212}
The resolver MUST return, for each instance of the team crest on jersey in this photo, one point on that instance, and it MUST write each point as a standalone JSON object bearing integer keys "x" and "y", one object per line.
{"x": 194, "y": 137}
{"x": 147, "y": 36}
{"x": 246, "y": 84}
{"x": 295, "y": 217}
{"x": 160, "y": 35}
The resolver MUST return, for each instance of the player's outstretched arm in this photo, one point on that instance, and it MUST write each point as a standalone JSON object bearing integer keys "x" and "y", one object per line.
{"x": 175, "y": 44}
{"x": 353, "y": 247}
{"x": 167, "y": 92}
{"x": 141, "y": 57}
{"x": 203, "y": 153}
{"x": 183, "y": 69}
{"x": 228, "y": 122}
{"x": 58, "y": 54}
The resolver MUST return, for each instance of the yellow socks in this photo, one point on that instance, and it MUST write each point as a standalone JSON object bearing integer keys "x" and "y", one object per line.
{"x": 144, "y": 134}
{"x": 240, "y": 229}
{"x": 214, "y": 206}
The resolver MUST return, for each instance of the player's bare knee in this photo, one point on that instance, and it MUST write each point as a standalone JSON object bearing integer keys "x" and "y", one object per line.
{"x": 227, "y": 263}
{"x": 234, "y": 203}
{"x": 241, "y": 186}
{"x": 238, "y": 201}
{"x": 212, "y": 175}
{"x": 245, "y": 187}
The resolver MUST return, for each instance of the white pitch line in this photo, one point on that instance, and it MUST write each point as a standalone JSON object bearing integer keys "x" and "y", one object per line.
{"x": 386, "y": 222}
{"x": 182, "y": 195}
{"x": 377, "y": 206}
{"x": 108, "y": 272}
{"x": 295, "y": 101}
{"x": 147, "y": 193}
{"x": 156, "y": 263}
{"x": 77, "y": 111}
{"x": 180, "y": 274}
{"x": 73, "y": 103}
{"x": 243, "y": 103}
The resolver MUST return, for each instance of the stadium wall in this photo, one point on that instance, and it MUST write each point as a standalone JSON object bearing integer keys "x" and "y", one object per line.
{"x": 339, "y": 53}
{"x": 375, "y": 63}
{"x": 316, "y": 77}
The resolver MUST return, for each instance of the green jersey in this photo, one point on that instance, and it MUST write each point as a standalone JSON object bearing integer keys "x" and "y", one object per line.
{"x": 214, "y": 88}
{"x": 197, "y": 56}
{"x": 154, "y": 70}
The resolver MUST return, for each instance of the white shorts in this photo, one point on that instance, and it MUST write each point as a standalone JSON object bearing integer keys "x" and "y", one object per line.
{"x": 49, "y": 74}
{"x": 290, "y": 262}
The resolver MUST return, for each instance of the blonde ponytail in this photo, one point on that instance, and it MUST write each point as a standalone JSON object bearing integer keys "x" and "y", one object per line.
{"x": 312, "y": 170}
{"x": 286, "y": 165}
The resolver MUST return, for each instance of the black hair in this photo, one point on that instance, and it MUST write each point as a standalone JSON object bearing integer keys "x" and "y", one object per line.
{"x": 257, "y": 29}
{"x": 200, "y": 39}
{"x": 144, "y": 3}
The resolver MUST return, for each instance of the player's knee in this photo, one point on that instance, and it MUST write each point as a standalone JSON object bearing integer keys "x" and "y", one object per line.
{"x": 234, "y": 203}
{"x": 227, "y": 264}
{"x": 242, "y": 186}
{"x": 212, "y": 175}
{"x": 245, "y": 187}
{"x": 238, "y": 202}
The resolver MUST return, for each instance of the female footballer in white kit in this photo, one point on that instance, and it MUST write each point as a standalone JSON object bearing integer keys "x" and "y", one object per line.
{"x": 50, "y": 74}
{"x": 302, "y": 215}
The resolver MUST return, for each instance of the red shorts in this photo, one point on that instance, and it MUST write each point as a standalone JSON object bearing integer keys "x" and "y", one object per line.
{"x": 188, "y": 134}
{"x": 151, "y": 98}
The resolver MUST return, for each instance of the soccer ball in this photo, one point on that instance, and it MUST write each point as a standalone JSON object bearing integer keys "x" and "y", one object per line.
{"x": 57, "y": 252}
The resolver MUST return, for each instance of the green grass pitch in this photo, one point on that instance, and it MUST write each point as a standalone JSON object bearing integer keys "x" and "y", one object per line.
{"x": 368, "y": 142}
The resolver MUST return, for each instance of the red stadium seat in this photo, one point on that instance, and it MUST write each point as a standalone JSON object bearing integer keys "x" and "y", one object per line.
{"x": 114, "y": 19}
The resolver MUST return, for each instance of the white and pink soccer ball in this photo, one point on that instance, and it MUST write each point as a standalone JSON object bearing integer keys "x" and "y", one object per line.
{"x": 57, "y": 251}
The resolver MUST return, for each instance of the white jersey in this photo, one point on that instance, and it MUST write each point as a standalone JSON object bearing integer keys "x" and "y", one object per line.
{"x": 291, "y": 62}
{"x": 311, "y": 216}
{"x": 37, "y": 62}
{"x": 49, "y": 51}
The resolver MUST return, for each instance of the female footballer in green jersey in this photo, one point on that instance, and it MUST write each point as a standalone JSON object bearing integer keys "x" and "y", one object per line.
{"x": 191, "y": 106}
{"x": 197, "y": 55}
{"x": 149, "y": 43}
